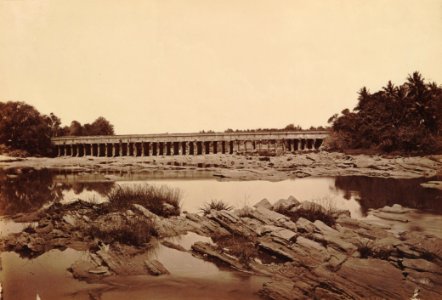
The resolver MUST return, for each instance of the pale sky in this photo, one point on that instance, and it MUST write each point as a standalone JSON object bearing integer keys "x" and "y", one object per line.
{"x": 187, "y": 65}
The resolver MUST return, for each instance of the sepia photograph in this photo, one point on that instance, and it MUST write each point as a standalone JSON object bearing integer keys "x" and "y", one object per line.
{"x": 225, "y": 150}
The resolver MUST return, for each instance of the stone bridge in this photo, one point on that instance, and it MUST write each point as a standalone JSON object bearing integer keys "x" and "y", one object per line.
{"x": 276, "y": 142}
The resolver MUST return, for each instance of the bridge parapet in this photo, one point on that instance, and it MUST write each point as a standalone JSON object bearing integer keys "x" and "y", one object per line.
{"x": 189, "y": 143}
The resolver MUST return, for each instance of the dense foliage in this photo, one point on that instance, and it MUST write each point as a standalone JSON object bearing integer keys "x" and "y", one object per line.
{"x": 289, "y": 127}
{"x": 22, "y": 127}
{"x": 100, "y": 126}
{"x": 405, "y": 118}
{"x": 25, "y": 131}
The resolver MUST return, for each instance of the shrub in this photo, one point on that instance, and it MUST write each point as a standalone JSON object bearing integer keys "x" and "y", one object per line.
{"x": 238, "y": 246}
{"x": 365, "y": 249}
{"x": 320, "y": 209}
{"x": 161, "y": 200}
{"x": 215, "y": 205}
{"x": 134, "y": 231}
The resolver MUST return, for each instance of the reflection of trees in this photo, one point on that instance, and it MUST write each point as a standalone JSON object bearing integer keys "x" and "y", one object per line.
{"x": 30, "y": 189}
{"x": 378, "y": 192}
{"x": 27, "y": 191}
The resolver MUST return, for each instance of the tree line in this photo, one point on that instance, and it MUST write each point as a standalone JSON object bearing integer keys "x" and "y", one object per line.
{"x": 289, "y": 127}
{"x": 25, "y": 131}
{"x": 404, "y": 119}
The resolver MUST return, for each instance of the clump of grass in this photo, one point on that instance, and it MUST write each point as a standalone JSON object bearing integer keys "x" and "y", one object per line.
{"x": 365, "y": 249}
{"x": 215, "y": 205}
{"x": 320, "y": 209}
{"x": 238, "y": 246}
{"x": 161, "y": 200}
{"x": 135, "y": 231}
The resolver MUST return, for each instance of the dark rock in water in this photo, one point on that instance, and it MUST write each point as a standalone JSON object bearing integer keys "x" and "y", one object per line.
{"x": 154, "y": 267}
{"x": 88, "y": 270}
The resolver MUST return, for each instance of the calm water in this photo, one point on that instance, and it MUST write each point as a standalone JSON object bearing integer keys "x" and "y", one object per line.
{"x": 190, "y": 278}
{"x": 30, "y": 190}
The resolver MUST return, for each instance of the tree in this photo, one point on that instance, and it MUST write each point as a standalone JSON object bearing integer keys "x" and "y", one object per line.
{"x": 101, "y": 126}
{"x": 54, "y": 122}
{"x": 23, "y": 127}
{"x": 75, "y": 129}
{"x": 292, "y": 127}
{"x": 405, "y": 118}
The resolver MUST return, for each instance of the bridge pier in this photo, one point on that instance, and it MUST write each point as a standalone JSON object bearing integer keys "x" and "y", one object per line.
{"x": 189, "y": 144}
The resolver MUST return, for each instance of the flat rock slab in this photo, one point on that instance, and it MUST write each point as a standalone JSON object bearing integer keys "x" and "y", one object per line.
{"x": 210, "y": 251}
{"x": 432, "y": 185}
{"x": 154, "y": 267}
{"x": 390, "y": 216}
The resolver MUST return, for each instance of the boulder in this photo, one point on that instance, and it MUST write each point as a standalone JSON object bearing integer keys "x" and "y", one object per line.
{"x": 263, "y": 203}
{"x": 308, "y": 206}
{"x": 394, "y": 209}
{"x": 305, "y": 225}
{"x": 285, "y": 204}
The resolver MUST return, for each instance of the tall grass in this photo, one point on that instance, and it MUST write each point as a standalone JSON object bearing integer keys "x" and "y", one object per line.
{"x": 323, "y": 211}
{"x": 130, "y": 231}
{"x": 215, "y": 205}
{"x": 161, "y": 200}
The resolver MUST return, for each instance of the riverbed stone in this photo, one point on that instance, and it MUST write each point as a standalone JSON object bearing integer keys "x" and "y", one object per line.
{"x": 390, "y": 216}
{"x": 263, "y": 203}
{"x": 285, "y": 204}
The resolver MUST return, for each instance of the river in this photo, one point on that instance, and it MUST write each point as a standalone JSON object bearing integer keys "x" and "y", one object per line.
{"x": 191, "y": 278}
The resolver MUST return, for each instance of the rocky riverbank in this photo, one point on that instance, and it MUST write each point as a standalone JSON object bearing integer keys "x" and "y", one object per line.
{"x": 247, "y": 167}
{"x": 306, "y": 251}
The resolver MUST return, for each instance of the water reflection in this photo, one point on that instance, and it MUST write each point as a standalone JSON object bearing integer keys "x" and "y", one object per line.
{"x": 27, "y": 190}
{"x": 378, "y": 192}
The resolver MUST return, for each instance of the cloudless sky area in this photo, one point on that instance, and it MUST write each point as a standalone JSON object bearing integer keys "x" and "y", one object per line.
{"x": 184, "y": 66}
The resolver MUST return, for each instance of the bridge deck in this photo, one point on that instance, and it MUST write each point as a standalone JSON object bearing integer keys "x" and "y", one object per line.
{"x": 189, "y": 143}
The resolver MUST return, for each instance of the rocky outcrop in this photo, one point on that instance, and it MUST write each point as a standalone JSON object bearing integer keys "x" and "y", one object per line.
{"x": 303, "y": 258}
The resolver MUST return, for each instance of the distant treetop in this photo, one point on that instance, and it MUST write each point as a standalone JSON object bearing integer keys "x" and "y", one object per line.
{"x": 404, "y": 118}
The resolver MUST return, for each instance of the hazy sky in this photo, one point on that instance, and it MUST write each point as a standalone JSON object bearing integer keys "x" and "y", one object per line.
{"x": 187, "y": 65}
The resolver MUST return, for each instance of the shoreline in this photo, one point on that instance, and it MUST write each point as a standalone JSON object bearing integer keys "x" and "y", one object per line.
{"x": 241, "y": 167}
